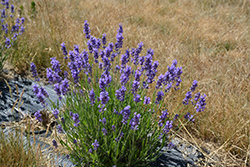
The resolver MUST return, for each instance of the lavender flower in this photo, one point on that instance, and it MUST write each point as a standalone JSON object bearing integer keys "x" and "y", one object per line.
{"x": 171, "y": 145}
{"x": 86, "y": 29}
{"x": 159, "y": 97}
{"x": 58, "y": 90}
{"x": 55, "y": 112}
{"x": 59, "y": 127}
{"x": 113, "y": 127}
{"x": 116, "y": 112}
{"x": 3, "y": 13}
{"x": 12, "y": 8}
{"x": 33, "y": 70}
{"x": 201, "y": 104}
{"x": 163, "y": 117}
{"x": 64, "y": 86}
{"x": 75, "y": 141}
{"x": 137, "y": 75}
{"x": 120, "y": 94}
{"x": 137, "y": 98}
{"x": 167, "y": 127}
{"x": 75, "y": 118}
{"x": 7, "y": 43}
{"x": 175, "y": 117}
{"x": 194, "y": 85}
{"x": 119, "y": 38}
{"x": 54, "y": 143}
{"x": 104, "y": 40}
{"x": 92, "y": 97}
{"x": 146, "y": 100}
{"x": 188, "y": 96}
{"x": 135, "y": 86}
{"x": 35, "y": 89}
{"x": 104, "y": 98}
{"x": 65, "y": 53}
{"x": 104, "y": 131}
{"x": 7, "y": 4}
{"x": 21, "y": 30}
{"x": 38, "y": 116}
{"x": 40, "y": 97}
{"x": 189, "y": 117}
{"x": 22, "y": 20}
{"x": 63, "y": 120}
{"x": 55, "y": 64}
{"x": 134, "y": 122}
{"x": 95, "y": 144}
{"x": 44, "y": 92}
{"x": 125, "y": 113}
{"x": 103, "y": 121}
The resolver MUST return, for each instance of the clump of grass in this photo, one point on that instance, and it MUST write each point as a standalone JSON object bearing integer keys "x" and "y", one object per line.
{"x": 15, "y": 148}
{"x": 14, "y": 153}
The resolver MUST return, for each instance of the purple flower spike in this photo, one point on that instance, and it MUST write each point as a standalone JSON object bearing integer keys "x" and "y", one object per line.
{"x": 163, "y": 117}
{"x": 135, "y": 121}
{"x": 137, "y": 98}
{"x": 104, "y": 98}
{"x": 54, "y": 143}
{"x": 55, "y": 112}
{"x": 75, "y": 118}
{"x": 135, "y": 86}
{"x": 167, "y": 127}
{"x": 92, "y": 97}
{"x": 44, "y": 92}
{"x": 146, "y": 100}
{"x": 103, "y": 121}
{"x": 59, "y": 127}
{"x": 186, "y": 99}
{"x": 63, "y": 120}
{"x": 160, "y": 95}
{"x": 7, "y": 43}
{"x": 33, "y": 70}
{"x": 104, "y": 131}
{"x": 95, "y": 144}
{"x": 55, "y": 64}
{"x": 65, "y": 53}
{"x": 194, "y": 85}
{"x": 170, "y": 145}
{"x": 104, "y": 40}
{"x": 35, "y": 89}
{"x": 12, "y": 8}
{"x": 175, "y": 117}
{"x": 125, "y": 113}
{"x": 201, "y": 104}
{"x": 86, "y": 29}
{"x": 64, "y": 86}
{"x": 189, "y": 117}
{"x": 38, "y": 116}
{"x": 113, "y": 127}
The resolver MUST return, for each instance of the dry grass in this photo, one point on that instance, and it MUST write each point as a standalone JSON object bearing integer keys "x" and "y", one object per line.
{"x": 16, "y": 150}
{"x": 210, "y": 40}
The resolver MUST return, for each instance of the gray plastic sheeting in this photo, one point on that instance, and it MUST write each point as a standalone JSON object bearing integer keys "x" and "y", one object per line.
{"x": 170, "y": 158}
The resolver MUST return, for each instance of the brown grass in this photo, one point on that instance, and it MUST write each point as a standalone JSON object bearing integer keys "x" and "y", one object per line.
{"x": 209, "y": 39}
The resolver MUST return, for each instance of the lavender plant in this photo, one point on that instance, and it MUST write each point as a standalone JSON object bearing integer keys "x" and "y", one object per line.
{"x": 11, "y": 29}
{"x": 108, "y": 118}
